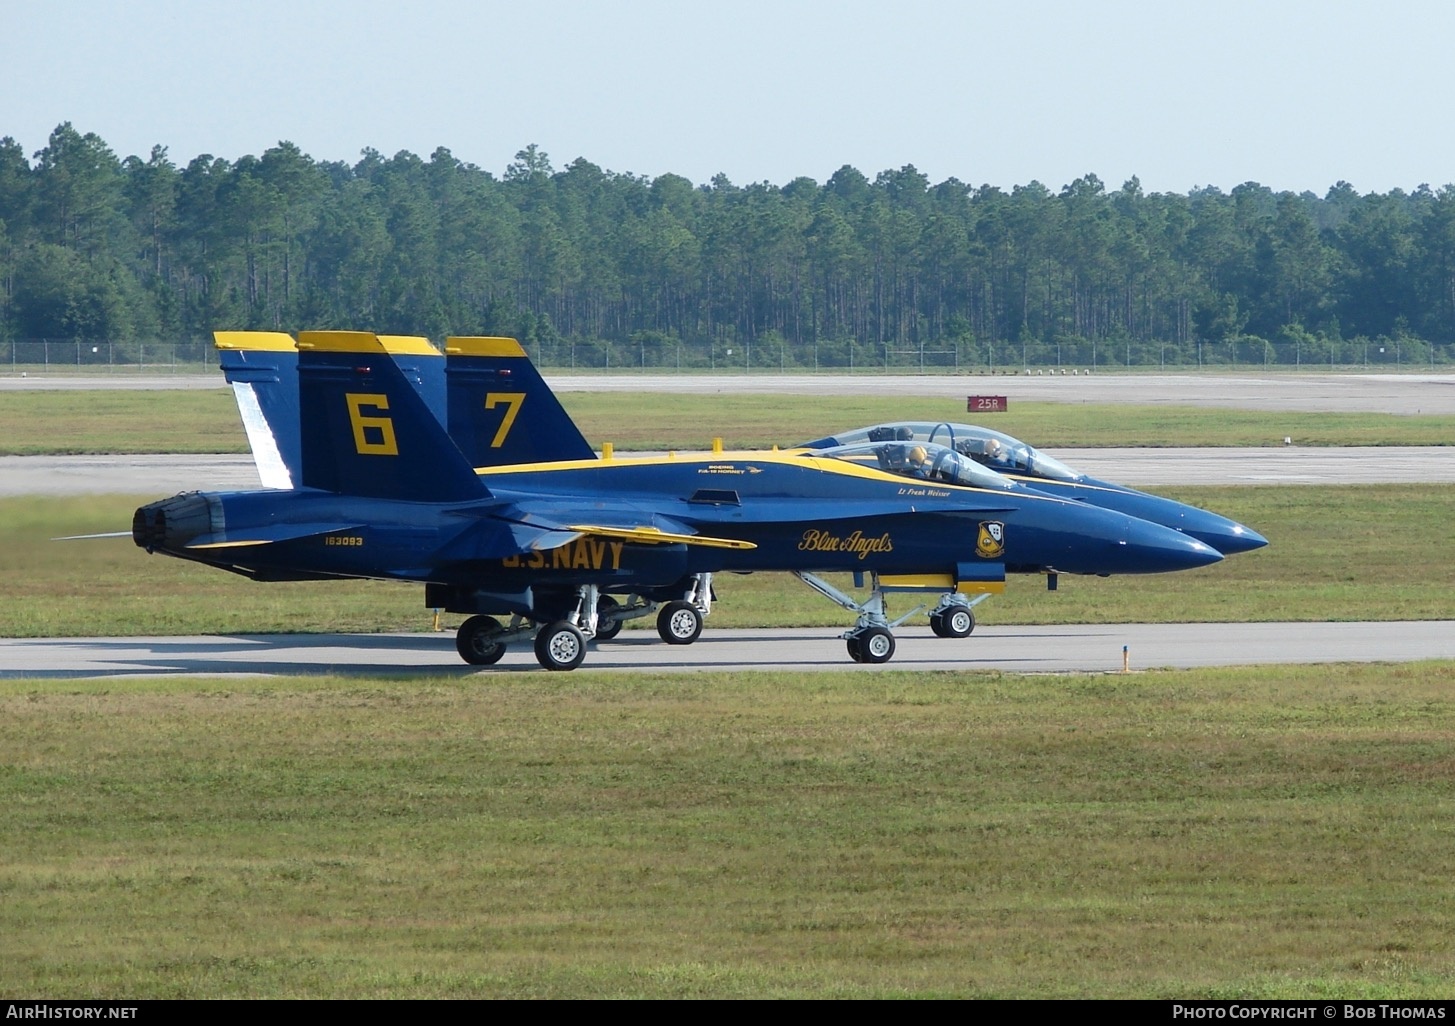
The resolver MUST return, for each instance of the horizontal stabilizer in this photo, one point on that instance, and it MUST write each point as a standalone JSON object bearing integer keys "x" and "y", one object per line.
{"x": 267, "y": 535}
{"x": 553, "y": 539}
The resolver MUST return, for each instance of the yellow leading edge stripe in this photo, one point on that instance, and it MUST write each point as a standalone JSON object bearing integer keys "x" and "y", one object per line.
{"x": 652, "y": 536}
{"x": 341, "y": 341}
{"x": 345, "y": 341}
{"x": 482, "y": 345}
{"x": 255, "y": 341}
{"x": 408, "y": 345}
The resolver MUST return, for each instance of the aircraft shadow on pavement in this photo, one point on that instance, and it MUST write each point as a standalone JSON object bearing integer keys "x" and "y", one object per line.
{"x": 368, "y": 655}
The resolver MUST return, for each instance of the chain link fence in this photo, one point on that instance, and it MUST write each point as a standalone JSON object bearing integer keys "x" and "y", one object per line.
{"x": 48, "y": 356}
{"x": 98, "y": 356}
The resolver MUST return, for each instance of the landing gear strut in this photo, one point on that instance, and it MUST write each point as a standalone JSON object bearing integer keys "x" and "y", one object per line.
{"x": 870, "y": 640}
{"x": 607, "y": 625}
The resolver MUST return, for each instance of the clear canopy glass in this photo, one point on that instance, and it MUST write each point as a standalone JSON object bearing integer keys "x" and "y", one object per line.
{"x": 993, "y": 449}
{"x": 928, "y": 462}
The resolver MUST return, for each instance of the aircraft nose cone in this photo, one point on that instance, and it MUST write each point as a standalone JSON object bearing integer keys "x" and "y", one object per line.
{"x": 1239, "y": 539}
{"x": 1227, "y": 536}
{"x": 1153, "y": 549}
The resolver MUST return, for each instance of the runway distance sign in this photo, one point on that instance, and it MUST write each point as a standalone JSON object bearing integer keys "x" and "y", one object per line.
{"x": 985, "y": 404}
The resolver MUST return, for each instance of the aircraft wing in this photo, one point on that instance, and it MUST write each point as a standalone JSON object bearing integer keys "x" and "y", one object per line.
{"x": 518, "y": 528}
{"x": 625, "y": 522}
{"x": 656, "y": 536}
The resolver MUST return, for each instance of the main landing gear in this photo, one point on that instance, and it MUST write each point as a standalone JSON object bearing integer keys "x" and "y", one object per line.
{"x": 680, "y": 621}
{"x": 561, "y": 644}
{"x": 871, "y": 639}
{"x": 954, "y": 618}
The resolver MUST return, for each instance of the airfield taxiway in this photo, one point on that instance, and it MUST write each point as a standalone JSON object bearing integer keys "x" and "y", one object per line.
{"x": 1014, "y": 649}
{"x": 1399, "y": 393}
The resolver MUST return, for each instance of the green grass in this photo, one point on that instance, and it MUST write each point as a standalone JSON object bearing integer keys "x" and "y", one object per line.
{"x": 51, "y": 423}
{"x": 60, "y": 423}
{"x": 1368, "y": 553}
{"x": 1254, "y": 833}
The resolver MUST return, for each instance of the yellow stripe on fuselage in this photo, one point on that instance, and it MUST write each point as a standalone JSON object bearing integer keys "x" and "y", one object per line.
{"x": 787, "y": 458}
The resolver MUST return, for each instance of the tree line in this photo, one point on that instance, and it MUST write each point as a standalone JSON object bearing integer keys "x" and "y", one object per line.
{"x": 97, "y": 247}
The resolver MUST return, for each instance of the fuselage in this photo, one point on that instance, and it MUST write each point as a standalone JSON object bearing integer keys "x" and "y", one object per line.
{"x": 1021, "y": 462}
{"x": 793, "y": 511}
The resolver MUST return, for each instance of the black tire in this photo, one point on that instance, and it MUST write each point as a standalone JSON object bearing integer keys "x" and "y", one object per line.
{"x": 855, "y": 652}
{"x": 607, "y": 626}
{"x": 953, "y": 622}
{"x": 679, "y": 623}
{"x": 560, "y": 646}
{"x": 473, "y": 643}
{"x": 877, "y": 645}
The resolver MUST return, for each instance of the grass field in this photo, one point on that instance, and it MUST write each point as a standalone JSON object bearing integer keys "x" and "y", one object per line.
{"x": 51, "y": 423}
{"x": 1369, "y": 553}
{"x": 1266, "y": 833}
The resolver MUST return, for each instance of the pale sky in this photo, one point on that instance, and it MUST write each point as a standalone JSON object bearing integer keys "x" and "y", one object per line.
{"x": 1295, "y": 95}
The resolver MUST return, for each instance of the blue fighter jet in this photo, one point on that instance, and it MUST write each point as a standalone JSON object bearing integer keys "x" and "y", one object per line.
{"x": 384, "y": 492}
{"x": 1021, "y": 462}
{"x": 1011, "y": 457}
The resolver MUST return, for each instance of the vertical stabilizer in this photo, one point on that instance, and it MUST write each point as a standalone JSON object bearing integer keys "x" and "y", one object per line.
{"x": 423, "y": 365}
{"x": 501, "y": 411}
{"x": 262, "y": 368}
{"x": 366, "y": 431}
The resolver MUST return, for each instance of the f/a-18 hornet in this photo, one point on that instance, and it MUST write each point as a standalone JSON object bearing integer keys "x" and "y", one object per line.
{"x": 1024, "y": 463}
{"x": 568, "y": 549}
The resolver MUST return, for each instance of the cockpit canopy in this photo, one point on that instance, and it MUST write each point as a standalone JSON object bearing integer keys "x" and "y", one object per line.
{"x": 927, "y": 462}
{"x": 999, "y": 452}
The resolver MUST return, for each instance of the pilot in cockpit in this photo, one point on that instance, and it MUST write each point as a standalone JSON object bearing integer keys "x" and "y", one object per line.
{"x": 905, "y": 460}
{"x": 987, "y": 451}
{"x": 919, "y": 461}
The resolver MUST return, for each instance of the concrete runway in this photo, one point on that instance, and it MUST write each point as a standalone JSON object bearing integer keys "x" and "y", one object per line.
{"x": 158, "y": 476}
{"x": 1014, "y": 649}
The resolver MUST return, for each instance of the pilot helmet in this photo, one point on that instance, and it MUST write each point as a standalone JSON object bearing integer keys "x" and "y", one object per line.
{"x": 917, "y": 455}
{"x": 904, "y": 434}
{"x": 994, "y": 449}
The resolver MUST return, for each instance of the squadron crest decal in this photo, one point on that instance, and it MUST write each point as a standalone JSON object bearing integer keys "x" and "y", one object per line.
{"x": 990, "y": 542}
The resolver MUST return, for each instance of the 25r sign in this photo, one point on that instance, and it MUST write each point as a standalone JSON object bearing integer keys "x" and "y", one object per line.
{"x": 985, "y": 404}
